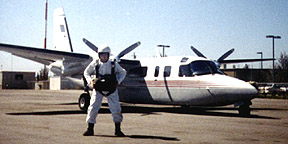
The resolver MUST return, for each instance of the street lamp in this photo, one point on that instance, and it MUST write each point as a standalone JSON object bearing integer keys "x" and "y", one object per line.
{"x": 164, "y": 46}
{"x": 273, "y": 37}
{"x": 261, "y": 53}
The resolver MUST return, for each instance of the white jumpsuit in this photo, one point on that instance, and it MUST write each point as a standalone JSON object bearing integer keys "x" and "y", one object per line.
{"x": 96, "y": 98}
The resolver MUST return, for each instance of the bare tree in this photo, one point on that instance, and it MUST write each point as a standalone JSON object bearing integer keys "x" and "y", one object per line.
{"x": 42, "y": 75}
{"x": 282, "y": 68}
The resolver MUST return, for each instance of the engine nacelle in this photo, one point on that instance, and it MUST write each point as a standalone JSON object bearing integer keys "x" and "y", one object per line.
{"x": 66, "y": 69}
{"x": 56, "y": 67}
{"x": 56, "y": 70}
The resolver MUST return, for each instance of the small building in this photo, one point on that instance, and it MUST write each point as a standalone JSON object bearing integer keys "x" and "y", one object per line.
{"x": 61, "y": 83}
{"x": 258, "y": 75}
{"x": 17, "y": 80}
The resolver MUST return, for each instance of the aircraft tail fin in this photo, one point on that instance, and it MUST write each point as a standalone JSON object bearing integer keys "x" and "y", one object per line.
{"x": 61, "y": 37}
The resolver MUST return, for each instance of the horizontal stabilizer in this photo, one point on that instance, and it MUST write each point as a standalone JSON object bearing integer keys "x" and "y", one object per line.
{"x": 40, "y": 55}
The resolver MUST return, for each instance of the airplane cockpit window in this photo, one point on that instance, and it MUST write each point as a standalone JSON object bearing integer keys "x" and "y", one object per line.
{"x": 167, "y": 71}
{"x": 199, "y": 68}
{"x": 204, "y": 67}
{"x": 185, "y": 71}
{"x": 156, "y": 71}
{"x": 138, "y": 72}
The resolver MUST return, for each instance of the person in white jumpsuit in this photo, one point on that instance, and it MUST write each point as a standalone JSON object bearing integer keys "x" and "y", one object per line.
{"x": 104, "y": 68}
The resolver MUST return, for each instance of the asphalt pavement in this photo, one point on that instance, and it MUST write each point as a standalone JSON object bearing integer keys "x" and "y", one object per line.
{"x": 44, "y": 116}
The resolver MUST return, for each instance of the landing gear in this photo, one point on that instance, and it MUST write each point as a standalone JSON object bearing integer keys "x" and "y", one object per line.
{"x": 84, "y": 101}
{"x": 244, "y": 108}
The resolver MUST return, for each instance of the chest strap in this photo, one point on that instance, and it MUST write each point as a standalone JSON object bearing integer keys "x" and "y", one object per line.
{"x": 112, "y": 69}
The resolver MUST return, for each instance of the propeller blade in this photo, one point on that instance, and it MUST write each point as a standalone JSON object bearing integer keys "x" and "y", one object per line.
{"x": 89, "y": 44}
{"x": 127, "y": 50}
{"x": 197, "y": 52}
{"x": 225, "y": 55}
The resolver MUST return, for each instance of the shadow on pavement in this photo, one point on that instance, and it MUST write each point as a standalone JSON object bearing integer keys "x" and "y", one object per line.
{"x": 142, "y": 137}
{"x": 148, "y": 110}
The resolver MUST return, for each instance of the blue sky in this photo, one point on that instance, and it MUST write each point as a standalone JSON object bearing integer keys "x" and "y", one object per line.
{"x": 212, "y": 26}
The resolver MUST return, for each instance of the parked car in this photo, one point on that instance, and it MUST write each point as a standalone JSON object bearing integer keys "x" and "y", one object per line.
{"x": 284, "y": 89}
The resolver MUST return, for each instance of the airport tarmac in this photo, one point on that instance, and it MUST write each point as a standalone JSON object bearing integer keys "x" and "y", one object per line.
{"x": 44, "y": 116}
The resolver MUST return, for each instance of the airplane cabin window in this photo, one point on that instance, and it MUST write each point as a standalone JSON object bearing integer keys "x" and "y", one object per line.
{"x": 138, "y": 72}
{"x": 184, "y": 59}
{"x": 156, "y": 71}
{"x": 167, "y": 71}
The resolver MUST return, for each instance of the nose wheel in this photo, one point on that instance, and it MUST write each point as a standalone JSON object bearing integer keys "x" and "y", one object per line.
{"x": 244, "y": 109}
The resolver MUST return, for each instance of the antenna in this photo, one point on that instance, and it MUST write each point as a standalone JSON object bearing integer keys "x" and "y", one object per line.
{"x": 45, "y": 38}
{"x": 134, "y": 55}
{"x": 164, "y": 46}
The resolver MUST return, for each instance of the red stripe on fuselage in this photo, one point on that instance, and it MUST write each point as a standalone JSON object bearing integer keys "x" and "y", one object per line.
{"x": 173, "y": 83}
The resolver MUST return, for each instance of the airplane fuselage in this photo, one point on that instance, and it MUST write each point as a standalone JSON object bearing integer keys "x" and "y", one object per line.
{"x": 159, "y": 81}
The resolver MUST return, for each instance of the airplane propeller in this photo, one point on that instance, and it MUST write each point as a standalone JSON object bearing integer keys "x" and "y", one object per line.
{"x": 89, "y": 44}
{"x": 225, "y": 55}
{"x": 197, "y": 52}
{"x": 121, "y": 54}
{"x": 127, "y": 50}
{"x": 219, "y": 60}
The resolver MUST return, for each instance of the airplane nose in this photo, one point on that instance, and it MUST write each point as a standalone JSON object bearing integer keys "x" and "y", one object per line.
{"x": 247, "y": 91}
{"x": 231, "y": 90}
{"x": 241, "y": 91}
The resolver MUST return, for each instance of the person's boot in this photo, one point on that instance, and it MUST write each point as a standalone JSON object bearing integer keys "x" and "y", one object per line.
{"x": 118, "y": 131}
{"x": 90, "y": 130}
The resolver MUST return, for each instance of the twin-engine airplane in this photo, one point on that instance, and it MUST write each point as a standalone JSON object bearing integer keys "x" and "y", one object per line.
{"x": 183, "y": 80}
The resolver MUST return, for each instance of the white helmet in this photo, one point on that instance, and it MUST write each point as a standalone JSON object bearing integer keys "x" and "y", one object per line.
{"x": 104, "y": 49}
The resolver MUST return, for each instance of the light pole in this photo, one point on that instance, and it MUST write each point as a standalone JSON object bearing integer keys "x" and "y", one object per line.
{"x": 164, "y": 46}
{"x": 273, "y": 37}
{"x": 261, "y": 53}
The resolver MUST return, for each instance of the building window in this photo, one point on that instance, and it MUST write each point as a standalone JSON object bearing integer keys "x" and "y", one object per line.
{"x": 19, "y": 77}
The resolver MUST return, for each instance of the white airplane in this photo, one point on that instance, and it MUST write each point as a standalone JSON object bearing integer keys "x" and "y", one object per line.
{"x": 183, "y": 80}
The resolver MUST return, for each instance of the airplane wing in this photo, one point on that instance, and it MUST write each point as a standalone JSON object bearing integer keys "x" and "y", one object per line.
{"x": 43, "y": 56}
{"x": 244, "y": 60}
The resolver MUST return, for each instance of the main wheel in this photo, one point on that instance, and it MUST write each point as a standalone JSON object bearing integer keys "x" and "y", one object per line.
{"x": 84, "y": 101}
